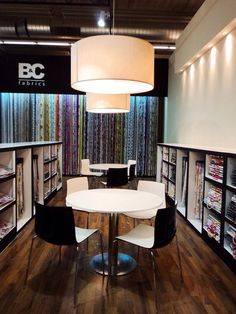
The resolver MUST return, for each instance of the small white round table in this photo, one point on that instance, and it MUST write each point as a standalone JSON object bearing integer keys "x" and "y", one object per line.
{"x": 106, "y": 166}
{"x": 113, "y": 202}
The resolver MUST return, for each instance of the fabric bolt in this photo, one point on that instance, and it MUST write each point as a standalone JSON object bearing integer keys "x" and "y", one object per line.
{"x": 215, "y": 168}
{"x": 214, "y": 198}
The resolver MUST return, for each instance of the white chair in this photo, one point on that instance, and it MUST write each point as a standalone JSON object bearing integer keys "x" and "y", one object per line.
{"x": 153, "y": 238}
{"x": 78, "y": 184}
{"x": 131, "y": 162}
{"x": 85, "y": 171}
{"x": 154, "y": 188}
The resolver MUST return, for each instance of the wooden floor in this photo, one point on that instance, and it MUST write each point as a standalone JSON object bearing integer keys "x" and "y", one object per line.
{"x": 209, "y": 286}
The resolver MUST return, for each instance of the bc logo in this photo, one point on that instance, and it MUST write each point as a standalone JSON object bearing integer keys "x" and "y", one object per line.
{"x": 28, "y": 71}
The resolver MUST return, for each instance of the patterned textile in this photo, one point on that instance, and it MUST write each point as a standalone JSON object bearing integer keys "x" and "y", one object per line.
{"x": 99, "y": 137}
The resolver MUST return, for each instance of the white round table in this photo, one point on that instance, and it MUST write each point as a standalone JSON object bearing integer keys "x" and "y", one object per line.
{"x": 113, "y": 202}
{"x": 106, "y": 166}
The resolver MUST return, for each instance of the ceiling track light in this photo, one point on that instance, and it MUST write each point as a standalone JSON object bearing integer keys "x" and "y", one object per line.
{"x": 103, "y": 16}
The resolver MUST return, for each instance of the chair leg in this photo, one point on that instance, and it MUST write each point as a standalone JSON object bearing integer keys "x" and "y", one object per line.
{"x": 87, "y": 228}
{"x": 76, "y": 272}
{"x": 29, "y": 258}
{"x": 102, "y": 250}
{"x": 154, "y": 267}
{"x": 59, "y": 254}
{"x": 109, "y": 264}
{"x": 179, "y": 258}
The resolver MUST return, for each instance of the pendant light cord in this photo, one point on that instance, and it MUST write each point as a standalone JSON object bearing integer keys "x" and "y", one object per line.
{"x": 112, "y": 17}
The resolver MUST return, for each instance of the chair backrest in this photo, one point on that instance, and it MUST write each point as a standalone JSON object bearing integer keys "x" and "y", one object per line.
{"x": 129, "y": 163}
{"x": 55, "y": 225}
{"x": 117, "y": 176}
{"x": 154, "y": 188}
{"x": 84, "y": 169}
{"x": 132, "y": 172}
{"x": 77, "y": 184}
{"x": 165, "y": 225}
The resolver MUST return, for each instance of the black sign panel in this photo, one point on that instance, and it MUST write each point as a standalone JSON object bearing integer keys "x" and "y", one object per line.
{"x": 51, "y": 74}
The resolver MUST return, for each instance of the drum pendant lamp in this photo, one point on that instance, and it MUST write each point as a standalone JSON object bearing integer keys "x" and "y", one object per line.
{"x": 107, "y": 103}
{"x": 112, "y": 64}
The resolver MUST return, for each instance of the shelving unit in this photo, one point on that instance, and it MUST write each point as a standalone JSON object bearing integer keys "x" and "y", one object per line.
{"x": 168, "y": 170}
{"x": 22, "y": 170}
{"x": 24, "y": 214}
{"x": 7, "y": 197}
{"x": 204, "y": 182}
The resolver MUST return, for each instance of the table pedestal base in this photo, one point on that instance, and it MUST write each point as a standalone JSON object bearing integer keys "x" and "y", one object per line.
{"x": 125, "y": 264}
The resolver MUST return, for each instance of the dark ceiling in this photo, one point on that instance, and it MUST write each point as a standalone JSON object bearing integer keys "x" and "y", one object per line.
{"x": 158, "y": 21}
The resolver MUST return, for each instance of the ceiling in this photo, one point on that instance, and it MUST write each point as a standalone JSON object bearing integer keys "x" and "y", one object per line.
{"x": 158, "y": 21}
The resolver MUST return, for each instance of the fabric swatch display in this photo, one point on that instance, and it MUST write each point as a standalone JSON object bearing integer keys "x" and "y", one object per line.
{"x": 5, "y": 198}
{"x": 5, "y": 171}
{"x": 173, "y": 156}
{"x": 19, "y": 187}
{"x": 59, "y": 174}
{"x": 214, "y": 198}
{"x": 231, "y": 209}
{"x": 199, "y": 183}
{"x": 172, "y": 173}
{"x": 231, "y": 238}
{"x": 213, "y": 227}
{"x": 165, "y": 154}
{"x": 165, "y": 169}
{"x": 171, "y": 190}
{"x": 98, "y": 137}
{"x": 5, "y": 228}
{"x": 184, "y": 179}
{"x": 215, "y": 169}
{"x": 36, "y": 177}
{"x": 233, "y": 177}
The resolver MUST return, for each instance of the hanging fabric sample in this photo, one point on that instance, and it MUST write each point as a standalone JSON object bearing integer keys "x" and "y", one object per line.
{"x": 199, "y": 183}
{"x": 184, "y": 180}
{"x": 19, "y": 187}
{"x": 36, "y": 177}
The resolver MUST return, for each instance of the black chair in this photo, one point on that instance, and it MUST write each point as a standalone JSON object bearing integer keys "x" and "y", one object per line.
{"x": 132, "y": 172}
{"x": 163, "y": 232}
{"x": 56, "y": 225}
{"x": 116, "y": 177}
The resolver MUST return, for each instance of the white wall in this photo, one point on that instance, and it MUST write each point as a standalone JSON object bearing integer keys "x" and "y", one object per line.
{"x": 202, "y": 100}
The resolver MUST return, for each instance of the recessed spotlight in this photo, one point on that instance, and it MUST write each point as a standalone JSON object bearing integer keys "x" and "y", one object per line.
{"x": 101, "y": 21}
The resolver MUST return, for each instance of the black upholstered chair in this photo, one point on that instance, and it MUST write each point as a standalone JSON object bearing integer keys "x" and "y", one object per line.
{"x": 132, "y": 172}
{"x": 151, "y": 238}
{"x": 56, "y": 225}
{"x": 116, "y": 177}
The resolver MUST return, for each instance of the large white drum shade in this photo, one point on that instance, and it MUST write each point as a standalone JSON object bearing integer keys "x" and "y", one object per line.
{"x": 100, "y": 103}
{"x": 112, "y": 64}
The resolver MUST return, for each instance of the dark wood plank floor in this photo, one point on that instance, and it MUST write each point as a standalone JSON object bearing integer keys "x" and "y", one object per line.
{"x": 209, "y": 285}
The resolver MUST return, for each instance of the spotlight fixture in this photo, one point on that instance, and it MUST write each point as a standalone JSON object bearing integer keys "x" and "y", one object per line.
{"x": 101, "y": 21}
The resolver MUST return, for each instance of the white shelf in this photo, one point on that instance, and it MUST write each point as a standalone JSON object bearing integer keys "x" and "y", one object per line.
{"x": 182, "y": 210}
{"x": 197, "y": 223}
{"x": 21, "y": 222}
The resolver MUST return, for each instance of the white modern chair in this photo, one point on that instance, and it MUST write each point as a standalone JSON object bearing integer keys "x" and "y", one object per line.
{"x": 85, "y": 171}
{"x": 78, "y": 184}
{"x": 154, "y": 188}
{"x": 131, "y": 162}
{"x": 153, "y": 238}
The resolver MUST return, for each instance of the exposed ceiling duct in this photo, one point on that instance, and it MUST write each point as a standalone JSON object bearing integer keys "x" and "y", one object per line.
{"x": 158, "y": 21}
